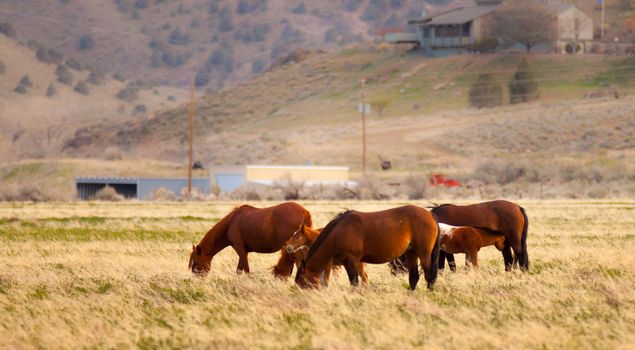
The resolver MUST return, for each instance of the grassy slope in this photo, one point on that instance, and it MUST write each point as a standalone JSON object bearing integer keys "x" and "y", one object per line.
{"x": 299, "y": 105}
{"x": 112, "y": 275}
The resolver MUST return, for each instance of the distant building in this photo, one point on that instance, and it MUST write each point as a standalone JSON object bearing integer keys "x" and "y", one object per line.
{"x": 135, "y": 187}
{"x": 452, "y": 32}
{"x": 229, "y": 178}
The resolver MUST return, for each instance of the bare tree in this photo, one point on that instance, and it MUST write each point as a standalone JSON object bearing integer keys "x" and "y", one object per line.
{"x": 528, "y": 22}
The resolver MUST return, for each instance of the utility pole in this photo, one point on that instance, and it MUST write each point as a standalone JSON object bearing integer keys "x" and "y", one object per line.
{"x": 602, "y": 25}
{"x": 363, "y": 107}
{"x": 191, "y": 121}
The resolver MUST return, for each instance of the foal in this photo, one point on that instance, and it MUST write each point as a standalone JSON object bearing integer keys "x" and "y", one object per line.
{"x": 298, "y": 246}
{"x": 467, "y": 240}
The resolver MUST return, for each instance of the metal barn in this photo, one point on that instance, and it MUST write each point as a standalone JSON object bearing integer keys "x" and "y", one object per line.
{"x": 135, "y": 187}
{"x": 229, "y": 178}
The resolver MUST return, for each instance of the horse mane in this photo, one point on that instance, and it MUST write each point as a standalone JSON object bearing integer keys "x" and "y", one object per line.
{"x": 434, "y": 206}
{"x": 325, "y": 232}
{"x": 220, "y": 227}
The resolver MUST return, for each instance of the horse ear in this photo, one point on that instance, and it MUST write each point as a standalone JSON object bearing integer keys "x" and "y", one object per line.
{"x": 198, "y": 250}
{"x": 193, "y": 248}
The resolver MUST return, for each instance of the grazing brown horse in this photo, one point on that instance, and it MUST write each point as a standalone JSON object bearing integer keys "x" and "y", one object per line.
{"x": 354, "y": 237}
{"x": 248, "y": 229}
{"x": 468, "y": 240}
{"x": 500, "y": 217}
{"x": 298, "y": 246}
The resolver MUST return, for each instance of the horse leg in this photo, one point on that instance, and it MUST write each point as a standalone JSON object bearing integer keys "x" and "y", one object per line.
{"x": 507, "y": 255}
{"x": 451, "y": 262}
{"x": 362, "y": 272}
{"x": 441, "y": 261}
{"x": 243, "y": 263}
{"x": 413, "y": 269}
{"x": 473, "y": 256}
{"x": 351, "y": 264}
{"x": 326, "y": 275}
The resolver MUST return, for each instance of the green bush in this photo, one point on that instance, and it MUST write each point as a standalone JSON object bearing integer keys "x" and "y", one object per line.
{"x": 3, "y": 68}
{"x": 7, "y": 29}
{"x": 485, "y": 92}
{"x": 86, "y": 42}
{"x": 51, "y": 91}
{"x": 74, "y": 64}
{"x": 523, "y": 86}
{"x": 82, "y": 88}
{"x": 64, "y": 75}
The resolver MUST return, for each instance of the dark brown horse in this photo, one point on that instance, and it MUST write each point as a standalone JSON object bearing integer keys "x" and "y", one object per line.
{"x": 379, "y": 237}
{"x": 248, "y": 229}
{"x": 298, "y": 246}
{"x": 468, "y": 240}
{"x": 500, "y": 217}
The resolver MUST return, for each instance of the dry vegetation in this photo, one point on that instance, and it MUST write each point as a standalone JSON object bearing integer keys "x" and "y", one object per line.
{"x": 102, "y": 275}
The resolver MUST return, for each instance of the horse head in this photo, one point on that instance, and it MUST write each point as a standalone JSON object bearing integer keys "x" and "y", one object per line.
{"x": 300, "y": 240}
{"x": 199, "y": 263}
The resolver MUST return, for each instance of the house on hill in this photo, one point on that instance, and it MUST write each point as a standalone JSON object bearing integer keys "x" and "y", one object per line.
{"x": 457, "y": 30}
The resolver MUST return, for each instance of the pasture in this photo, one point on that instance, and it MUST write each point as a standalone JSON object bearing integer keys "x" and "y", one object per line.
{"x": 114, "y": 275}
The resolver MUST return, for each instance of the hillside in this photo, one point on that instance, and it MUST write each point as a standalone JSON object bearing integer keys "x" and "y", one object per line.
{"x": 224, "y": 42}
{"x": 35, "y": 122}
{"x": 311, "y": 105}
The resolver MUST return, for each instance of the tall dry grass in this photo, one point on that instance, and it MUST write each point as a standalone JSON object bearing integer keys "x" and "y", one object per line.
{"x": 113, "y": 275}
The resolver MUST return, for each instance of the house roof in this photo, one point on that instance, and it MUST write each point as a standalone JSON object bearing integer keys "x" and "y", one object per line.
{"x": 466, "y": 14}
{"x": 456, "y": 16}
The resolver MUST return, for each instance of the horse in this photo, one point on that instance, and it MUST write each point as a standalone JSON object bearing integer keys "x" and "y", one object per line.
{"x": 249, "y": 229}
{"x": 499, "y": 217}
{"x": 298, "y": 246}
{"x": 354, "y": 237}
{"x": 467, "y": 240}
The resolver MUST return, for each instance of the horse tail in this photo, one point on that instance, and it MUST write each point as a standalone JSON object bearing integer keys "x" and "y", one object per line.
{"x": 524, "y": 261}
{"x": 432, "y": 273}
{"x": 284, "y": 267}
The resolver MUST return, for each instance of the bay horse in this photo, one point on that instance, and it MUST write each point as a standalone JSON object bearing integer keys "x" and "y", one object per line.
{"x": 249, "y": 229}
{"x": 467, "y": 240}
{"x": 298, "y": 246}
{"x": 378, "y": 237}
{"x": 499, "y": 217}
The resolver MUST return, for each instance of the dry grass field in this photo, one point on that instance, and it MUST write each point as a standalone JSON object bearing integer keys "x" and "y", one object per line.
{"x": 104, "y": 275}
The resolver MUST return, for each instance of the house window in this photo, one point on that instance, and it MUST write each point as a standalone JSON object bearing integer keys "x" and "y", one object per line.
{"x": 426, "y": 32}
{"x": 466, "y": 28}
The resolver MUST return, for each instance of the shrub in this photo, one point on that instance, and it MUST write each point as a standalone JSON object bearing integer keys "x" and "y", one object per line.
{"x": 51, "y": 91}
{"x": 485, "y": 92}
{"x": 112, "y": 153}
{"x": 48, "y": 55}
{"x": 7, "y": 29}
{"x": 523, "y": 86}
{"x": 178, "y": 38}
{"x": 291, "y": 189}
{"x": 119, "y": 77}
{"x": 129, "y": 93}
{"x": 109, "y": 194}
{"x": 74, "y": 64}
{"x": 300, "y": 9}
{"x": 86, "y": 42}
{"x": 226, "y": 20}
{"x": 141, "y": 4}
{"x": 484, "y": 45}
{"x": 416, "y": 186}
{"x": 82, "y": 88}
{"x": 258, "y": 65}
{"x": 3, "y": 68}
{"x": 162, "y": 194}
{"x": 260, "y": 31}
{"x": 96, "y": 77}
{"x": 26, "y": 82}
{"x": 20, "y": 89}
{"x": 201, "y": 79}
{"x": 64, "y": 75}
